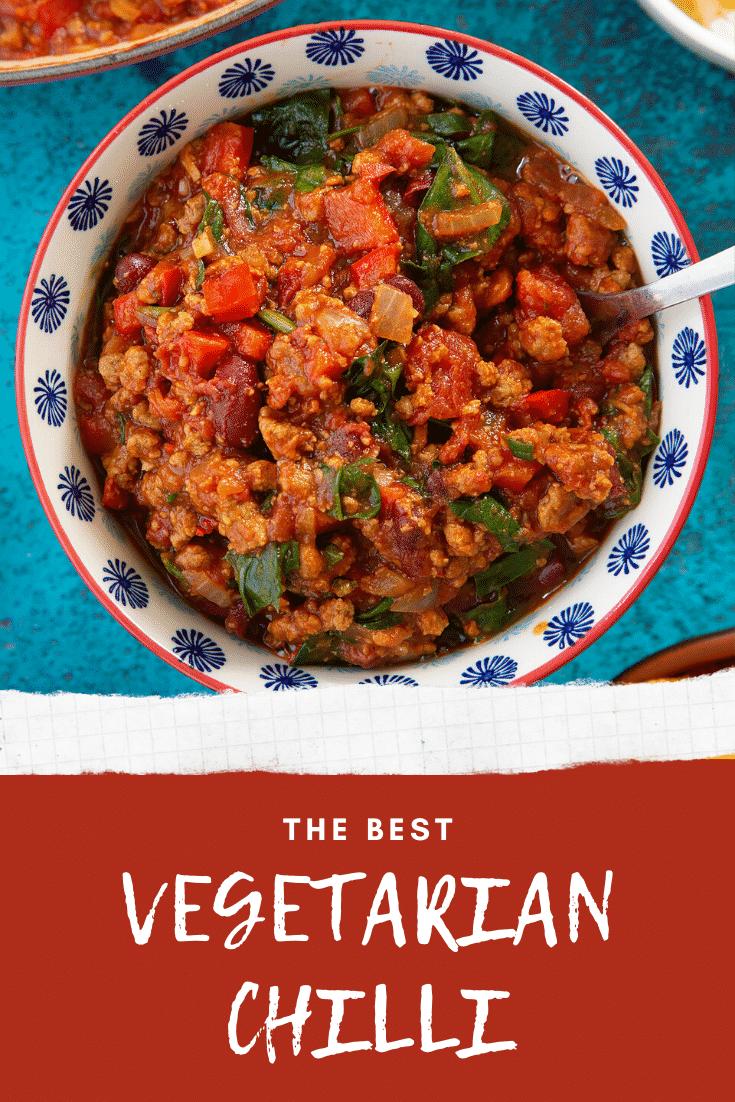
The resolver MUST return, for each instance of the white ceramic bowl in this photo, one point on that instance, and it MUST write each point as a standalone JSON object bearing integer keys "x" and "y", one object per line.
{"x": 713, "y": 46}
{"x": 86, "y": 222}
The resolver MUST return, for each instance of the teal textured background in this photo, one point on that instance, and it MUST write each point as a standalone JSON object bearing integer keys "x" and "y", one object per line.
{"x": 680, "y": 111}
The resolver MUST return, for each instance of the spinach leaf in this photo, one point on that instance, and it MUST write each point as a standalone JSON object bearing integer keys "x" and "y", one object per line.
{"x": 319, "y": 650}
{"x": 267, "y": 503}
{"x": 213, "y": 217}
{"x": 506, "y": 153}
{"x": 486, "y": 510}
{"x": 449, "y": 124}
{"x": 308, "y": 177}
{"x": 419, "y": 487}
{"x": 379, "y": 387}
{"x": 201, "y": 272}
{"x": 396, "y": 434}
{"x": 172, "y": 569}
{"x": 454, "y": 178}
{"x": 646, "y": 383}
{"x": 521, "y": 449}
{"x": 297, "y": 128}
{"x": 478, "y": 149}
{"x": 171, "y": 498}
{"x": 489, "y": 618}
{"x": 355, "y": 482}
{"x": 506, "y": 569}
{"x": 379, "y": 618}
{"x": 333, "y": 554}
{"x": 260, "y": 575}
{"x": 122, "y": 422}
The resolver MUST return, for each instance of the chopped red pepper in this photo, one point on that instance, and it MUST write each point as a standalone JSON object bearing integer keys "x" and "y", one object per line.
{"x": 250, "y": 338}
{"x": 163, "y": 284}
{"x": 227, "y": 149}
{"x": 546, "y": 405}
{"x": 204, "y": 350}
{"x": 515, "y": 473}
{"x": 375, "y": 266}
{"x": 125, "y": 309}
{"x": 232, "y": 295}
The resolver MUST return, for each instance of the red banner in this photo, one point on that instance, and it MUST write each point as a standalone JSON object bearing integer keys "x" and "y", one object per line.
{"x": 552, "y": 935}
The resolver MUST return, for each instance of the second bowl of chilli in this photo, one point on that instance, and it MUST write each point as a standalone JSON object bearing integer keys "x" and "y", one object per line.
{"x": 304, "y": 382}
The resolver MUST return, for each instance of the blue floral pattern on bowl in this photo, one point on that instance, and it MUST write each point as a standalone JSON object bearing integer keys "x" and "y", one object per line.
{"x": 543, "y": 113}
{"x": 244, "y": 78}
{"x": 196, "y": 648}
{"x": 51, "y": 398}
{"x": 668, "y": 254}
{"x": 390, "y": 679}
{"x": 454, "y": 60}
{"x": 76, "y": 493}
{"x": 670, "y": 459}
{"x": 630, "y": 551}
{"x": 689, "y": 356}
{"x": 340, "y": 47}
{"x": 125, "y": 584}
{"x": 50, "y": 303}
{"x": 498, "y": 670}
{"x": 89, "y": 203}
{"x": 570, "y": 625}
{"x": 617, "y": 180}
{"x": 158, "y": 134}
{"x": 279, "y": 676}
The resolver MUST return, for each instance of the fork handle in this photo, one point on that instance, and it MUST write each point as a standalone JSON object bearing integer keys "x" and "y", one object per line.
{"x": 691, "y": 282}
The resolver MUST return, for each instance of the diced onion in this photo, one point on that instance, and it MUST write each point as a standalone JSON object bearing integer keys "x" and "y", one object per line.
{"x": 420, "y": 599}
{"x": 467, "y": 220}
{"x": 392, "y": 315}
{"x": 201, "y": 585}
{"x": 394, "y": 119}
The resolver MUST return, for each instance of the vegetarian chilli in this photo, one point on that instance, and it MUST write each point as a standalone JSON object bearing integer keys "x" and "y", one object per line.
{"x": 44, "y": 27}
{"x": 342, "y": 384}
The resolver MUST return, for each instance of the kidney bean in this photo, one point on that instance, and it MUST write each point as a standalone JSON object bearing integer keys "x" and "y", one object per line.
{"x": 403, "y": 283}
{"x": 362, "y": 304}
{"x": 131, "y": 269}
{"x": 235, "y": 409}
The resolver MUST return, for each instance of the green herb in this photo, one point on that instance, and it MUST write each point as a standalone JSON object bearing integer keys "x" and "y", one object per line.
{"x": 260, "y": 576}
{"x": 486, "y": 510}
{"x": 333, "y": 554}
{"x": 509, "y": 567}
{"x": 121, "y": 419}
{"x": 308, "y": 177}
{"x": 521, "y": 449}
{"x": 267, "y": 503}
{"x": 171, "y": 498}
{"x": 379, "y": 618}
{"x": 201, "y": 271}
{"x": 276, "y": 321}
{"x": 297, "y": 128}
{"x": 213, "y": 217}
{"x": 172, "y": 569}
{"x": 154, "y": 312}
{"x": 355, "y": 482}
{"x": 489, "y": 618}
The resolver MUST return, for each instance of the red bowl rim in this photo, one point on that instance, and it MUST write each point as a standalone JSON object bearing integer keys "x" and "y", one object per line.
{"x": 705, "y": 439}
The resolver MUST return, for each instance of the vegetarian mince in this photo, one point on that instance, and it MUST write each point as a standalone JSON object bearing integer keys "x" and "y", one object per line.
{"x": 341, "y": 385}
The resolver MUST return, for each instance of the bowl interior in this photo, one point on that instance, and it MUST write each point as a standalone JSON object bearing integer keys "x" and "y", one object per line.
{"x": 86, "y": 222}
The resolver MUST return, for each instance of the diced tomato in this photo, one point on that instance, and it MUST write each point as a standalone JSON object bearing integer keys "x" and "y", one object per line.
{"x": 546, "y": 405}
{"x": 515, "y": 473}
{"x": 54, "y": 13}
{"x": 443, "y": 362}
{"x": 300, "y": 272}
{"x": 112, "y": 496}
{"x": 417, "y": 188}
{"x": 125, "y": 308}
{"x": 205, "y": 526}
{"x": 204, "y": 350}
{"x": 357, "y": 101}
{"x": 232, "y": 295}
{"x": 250, "y": 338}
{"x": 357, "y": 217}
{"x": 375, "y": 266}
{"x": 163, "y": 284}
{"x": 162, "y": 403}
{"x": 227, "y": 149}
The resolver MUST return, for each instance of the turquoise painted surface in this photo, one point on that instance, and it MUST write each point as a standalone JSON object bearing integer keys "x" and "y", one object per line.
{"x": 678, "y": 108}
